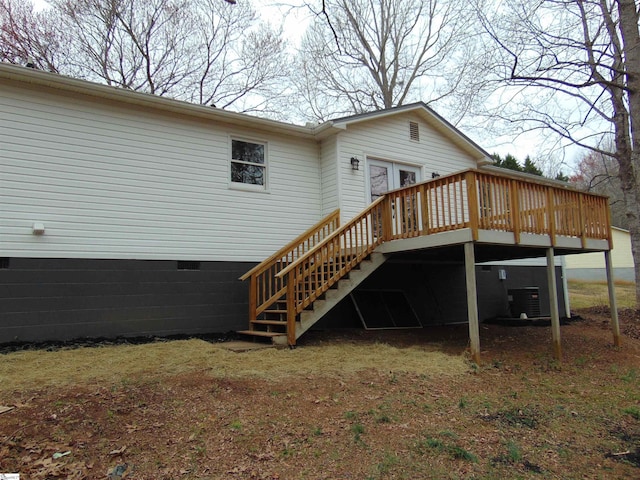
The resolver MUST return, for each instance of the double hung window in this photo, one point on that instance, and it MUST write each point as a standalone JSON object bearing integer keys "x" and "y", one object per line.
{"x": 248, "y": 163}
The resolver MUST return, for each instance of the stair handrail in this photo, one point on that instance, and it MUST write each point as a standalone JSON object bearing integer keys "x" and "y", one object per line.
{"x": 289, "y": 247}
{"x": 330, "y": 237}
{"x": 326, "y": 263}
{"x": 264, "y": 287}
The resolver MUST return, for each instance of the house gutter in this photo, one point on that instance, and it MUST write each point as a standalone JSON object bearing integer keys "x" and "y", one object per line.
{"x": 23, "y": 75}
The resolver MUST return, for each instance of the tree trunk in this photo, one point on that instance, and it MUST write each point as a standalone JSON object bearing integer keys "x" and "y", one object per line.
{"x": 630, "y": 159}
{"x": 632, "y": 204}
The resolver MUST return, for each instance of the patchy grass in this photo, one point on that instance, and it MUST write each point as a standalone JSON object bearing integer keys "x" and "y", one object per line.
{"x": 583, "y": 294}
{"x": 633, "y": 411}
{"x": 369, "y": 405}
{"x": 114, "y": 365}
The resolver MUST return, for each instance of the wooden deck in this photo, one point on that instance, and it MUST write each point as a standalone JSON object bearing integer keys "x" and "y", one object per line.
{"x": 469, "y": 207}
{"x": 499, "y": 208}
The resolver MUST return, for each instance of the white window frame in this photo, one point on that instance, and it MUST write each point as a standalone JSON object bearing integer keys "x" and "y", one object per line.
{"x": 249, "y": 186}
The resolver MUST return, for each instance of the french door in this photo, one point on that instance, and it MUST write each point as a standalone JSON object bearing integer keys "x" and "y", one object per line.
{"x": 385, "y": 176}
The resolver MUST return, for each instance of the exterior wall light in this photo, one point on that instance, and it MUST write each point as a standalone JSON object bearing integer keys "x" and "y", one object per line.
{"x": 355, "y": 163}
{"x": 435, "y": 174}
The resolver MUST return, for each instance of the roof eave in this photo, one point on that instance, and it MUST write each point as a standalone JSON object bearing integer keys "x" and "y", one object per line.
{"x": 506, "y": 172}
{"x": 23, "y": 75}
{"x": 433, "y": 118}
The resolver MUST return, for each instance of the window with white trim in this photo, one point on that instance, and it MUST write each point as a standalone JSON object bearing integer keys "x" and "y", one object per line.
{"x": 248, "y": 163}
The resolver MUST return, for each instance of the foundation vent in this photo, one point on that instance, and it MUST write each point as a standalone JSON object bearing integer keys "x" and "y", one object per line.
{"x": 188, "y": 265}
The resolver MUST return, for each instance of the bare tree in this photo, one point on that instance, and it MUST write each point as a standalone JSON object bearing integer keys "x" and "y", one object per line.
{"x": 236, "y": 61}
{"x": 30, "y": 37}
{"x": 128, "y": 43}
{"x": 599, "y": 173}
{"x": 363, "y": 55}
{"x": 572, "y": 67}
{"x": 204, "y": 51}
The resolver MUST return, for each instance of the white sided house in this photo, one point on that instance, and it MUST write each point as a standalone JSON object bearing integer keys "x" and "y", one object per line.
{"x": 591, "y": 266}
{"x": 123, "y": 213}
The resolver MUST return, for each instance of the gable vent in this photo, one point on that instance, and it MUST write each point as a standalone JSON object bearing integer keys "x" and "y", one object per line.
{"x": 414, "y": 131}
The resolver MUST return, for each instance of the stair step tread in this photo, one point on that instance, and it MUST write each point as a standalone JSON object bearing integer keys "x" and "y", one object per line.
{"x": 359, "y": 267}
{"x": 260, "y": 333}
{"x": 269, "y": 322}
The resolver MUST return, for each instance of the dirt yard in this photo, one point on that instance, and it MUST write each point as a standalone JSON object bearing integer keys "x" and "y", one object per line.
{"x": 346, "y": 404}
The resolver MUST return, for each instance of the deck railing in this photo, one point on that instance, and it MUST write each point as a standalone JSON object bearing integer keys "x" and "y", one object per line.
{"x": 326, "y": 263}
{"x": 471, "y": 199}
{"x": 492, "y": 201}
{"x": 265, "y": 287}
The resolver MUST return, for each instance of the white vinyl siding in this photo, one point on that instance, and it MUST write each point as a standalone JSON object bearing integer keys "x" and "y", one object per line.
{"x": 388, "y": 139}
{"x": 621, "y": 256}
{"x": 118, "y": 181}
{"x": 329, "y": 169}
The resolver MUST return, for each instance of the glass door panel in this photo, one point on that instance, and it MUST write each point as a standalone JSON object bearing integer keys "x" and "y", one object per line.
{"x": 407, "y": 177}
{"x": 385, "y": 176}
{"x": 379, "y": 180}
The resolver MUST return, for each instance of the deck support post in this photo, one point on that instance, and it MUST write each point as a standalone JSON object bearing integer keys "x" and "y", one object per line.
{"x": 615, "y": 325}
{"x": 472, "y": 300}
{"x": 553, "y": 304}
{"x": 565, "y": 287}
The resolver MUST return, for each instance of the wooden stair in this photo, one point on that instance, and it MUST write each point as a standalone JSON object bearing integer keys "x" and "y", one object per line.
{"x": 296, "y": 286}
{"x": 264, "y": 327}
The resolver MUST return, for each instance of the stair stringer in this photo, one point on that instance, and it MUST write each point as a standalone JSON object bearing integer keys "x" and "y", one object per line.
{"x": 333, "y": 296}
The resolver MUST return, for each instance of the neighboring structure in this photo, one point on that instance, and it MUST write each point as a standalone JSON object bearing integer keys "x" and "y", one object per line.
{"x": 124, "y": 213}
{"x": 591, "y": 267}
